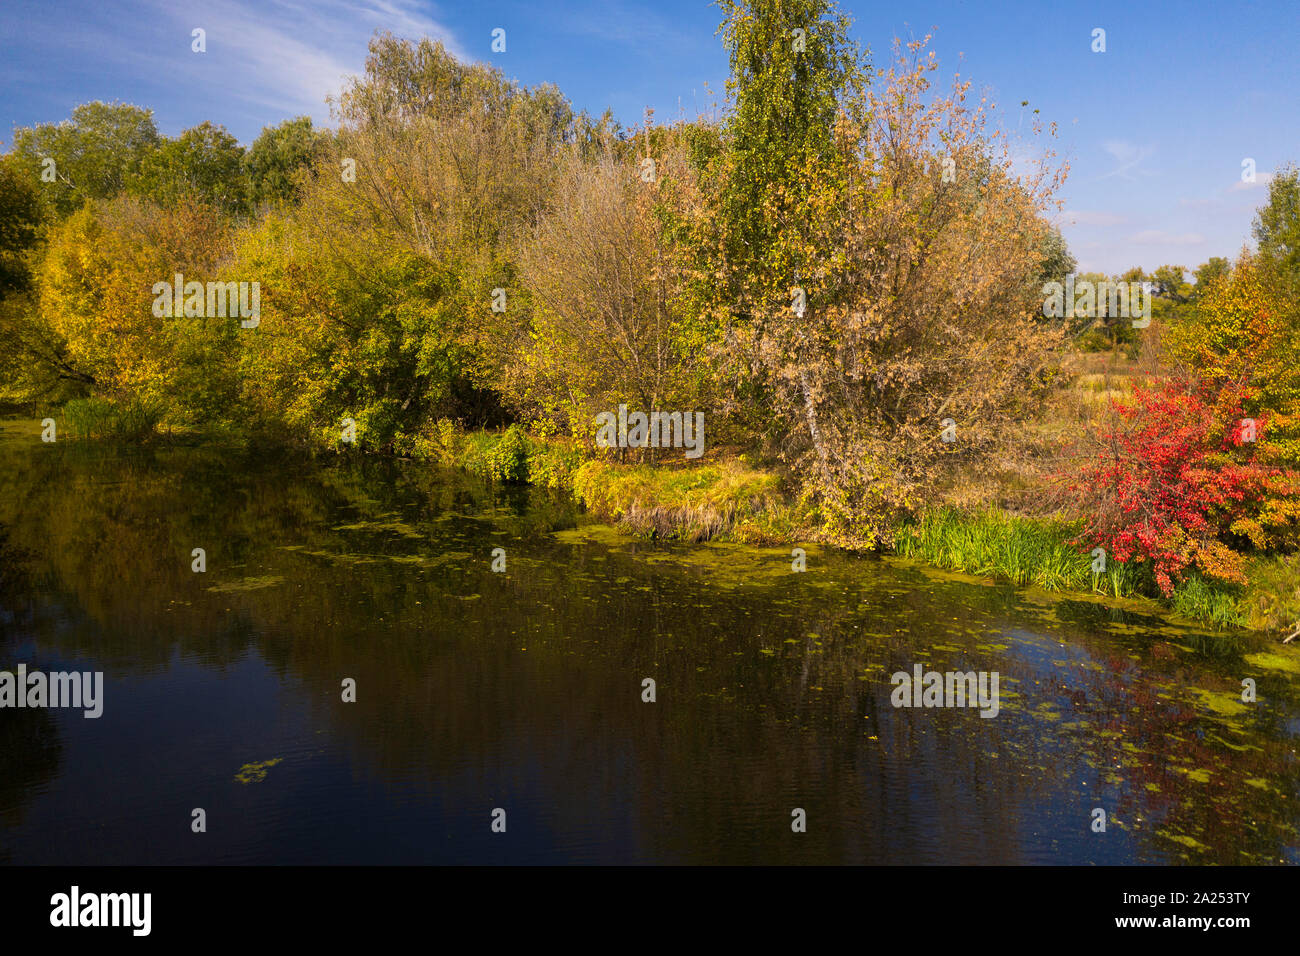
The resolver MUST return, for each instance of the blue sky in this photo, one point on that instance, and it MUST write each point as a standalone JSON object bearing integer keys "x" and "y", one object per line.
{"x": 1155, "y": 128}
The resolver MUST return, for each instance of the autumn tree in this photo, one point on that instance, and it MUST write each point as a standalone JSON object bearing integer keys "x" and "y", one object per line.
{"x": 1243, "y": 333}
{"x": 608, "y": 324}
{"x": 881, "y": 263}
{"x": 1179, "y": 484}
{"x": 793, "y": 72}
{"x": 453, "y": 164}
{"x": 96, "y": 296}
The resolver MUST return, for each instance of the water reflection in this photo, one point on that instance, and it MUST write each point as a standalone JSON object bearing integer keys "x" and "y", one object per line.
{"x": 522, "y": 690}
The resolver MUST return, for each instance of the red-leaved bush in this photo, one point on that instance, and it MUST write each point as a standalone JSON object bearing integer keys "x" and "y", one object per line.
{"x": 1177, "y": 476}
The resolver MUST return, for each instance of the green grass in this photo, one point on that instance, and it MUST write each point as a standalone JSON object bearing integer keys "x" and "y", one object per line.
{"x": 100, "y": 418}
{"x": 1031, "y": 551}
{"x": 1272, "y": 600}
{"x": 1023, "y": 551}
{"x": 1198, "y": 599}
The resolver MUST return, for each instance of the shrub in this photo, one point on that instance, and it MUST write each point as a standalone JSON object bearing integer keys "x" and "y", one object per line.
{"x": 443, "y": 447}
{"x": 507, "y": 459}
{"x": 1178, "y": 486}
{"x": 551, "y": 465}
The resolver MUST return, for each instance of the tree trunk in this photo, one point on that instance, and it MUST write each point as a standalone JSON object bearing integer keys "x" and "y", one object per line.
{"x": 810, "y": 413}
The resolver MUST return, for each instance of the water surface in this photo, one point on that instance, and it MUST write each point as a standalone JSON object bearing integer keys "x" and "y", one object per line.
{"x": 523, "y": 690}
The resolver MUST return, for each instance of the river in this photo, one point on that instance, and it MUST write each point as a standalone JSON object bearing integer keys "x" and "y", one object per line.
{"x": 515, "y": 699}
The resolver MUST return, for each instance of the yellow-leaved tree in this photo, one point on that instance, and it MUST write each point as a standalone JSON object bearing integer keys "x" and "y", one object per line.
{"x": 96, "y": 292}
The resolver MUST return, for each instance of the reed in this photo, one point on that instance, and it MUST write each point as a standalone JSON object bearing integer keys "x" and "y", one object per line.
{"x": 1024, "y": 551}
{"x": 100, "y": 418}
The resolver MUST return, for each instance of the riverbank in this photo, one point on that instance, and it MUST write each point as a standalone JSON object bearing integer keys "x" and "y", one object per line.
{"x": 727, "y": 497}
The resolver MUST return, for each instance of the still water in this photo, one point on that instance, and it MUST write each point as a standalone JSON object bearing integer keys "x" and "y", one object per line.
{"x": 523, "y": 690}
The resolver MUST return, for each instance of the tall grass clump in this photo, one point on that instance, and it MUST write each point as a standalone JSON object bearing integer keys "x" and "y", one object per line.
{"x": 694, "y": 504}
{"x": 99, "y": 418}
{"x": 1212, "y": 602}
{"x": 1023, "y": 551}
{"x": 1272, "y": 601}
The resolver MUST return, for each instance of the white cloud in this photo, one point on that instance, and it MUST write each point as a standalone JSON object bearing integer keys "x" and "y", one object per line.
{"x": 1155, "y": 237}
{"x": 1261, "y": 179}
{"x": 289, "y": 55}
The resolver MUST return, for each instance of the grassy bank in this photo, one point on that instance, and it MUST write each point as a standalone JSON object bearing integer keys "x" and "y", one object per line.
{"x": 726, "y": 497}
{"x": 1047, "y": 553}
{"x": 1024, "y": 551}
{"x": 691, "y": 501}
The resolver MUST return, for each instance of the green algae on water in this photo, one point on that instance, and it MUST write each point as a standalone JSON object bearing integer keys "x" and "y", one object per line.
{"x": 247, "y": 584}
{"x": 255, "y": 772}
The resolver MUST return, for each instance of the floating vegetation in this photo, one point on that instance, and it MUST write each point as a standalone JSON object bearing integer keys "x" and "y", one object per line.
{"x": 388, "y": 527}
{"x": 255, "y": 772}
{"x": 1223, "y": 703}
{"x": 1187, "y": 841}
{"x": 247, "y": 584}
{"x": 1275, "y": 661}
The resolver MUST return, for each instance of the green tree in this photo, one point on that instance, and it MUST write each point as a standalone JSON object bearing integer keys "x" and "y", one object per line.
{"x": 793, "y": 69}
{"x": 1170, "y": 282}
{"x": 96, "y": 153}
{"x": 1208, "y": 272}
{"x": 204, "y": 164}
{"x": 1058, "y": 261}
{"x": 32, "y": 363}
{"x": 1277, "y": 225}
{"x": 1171, "y": 293}
{"x": 20, "y": 220}
{"x": 277, "y": 156}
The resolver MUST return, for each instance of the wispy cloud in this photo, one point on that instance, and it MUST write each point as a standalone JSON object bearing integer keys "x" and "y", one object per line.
{"x": 618, "y": 21}
{"x": 1128, "y": 158}
{"x": 1158, "y": 237}
{"x": 290, "y": 55}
